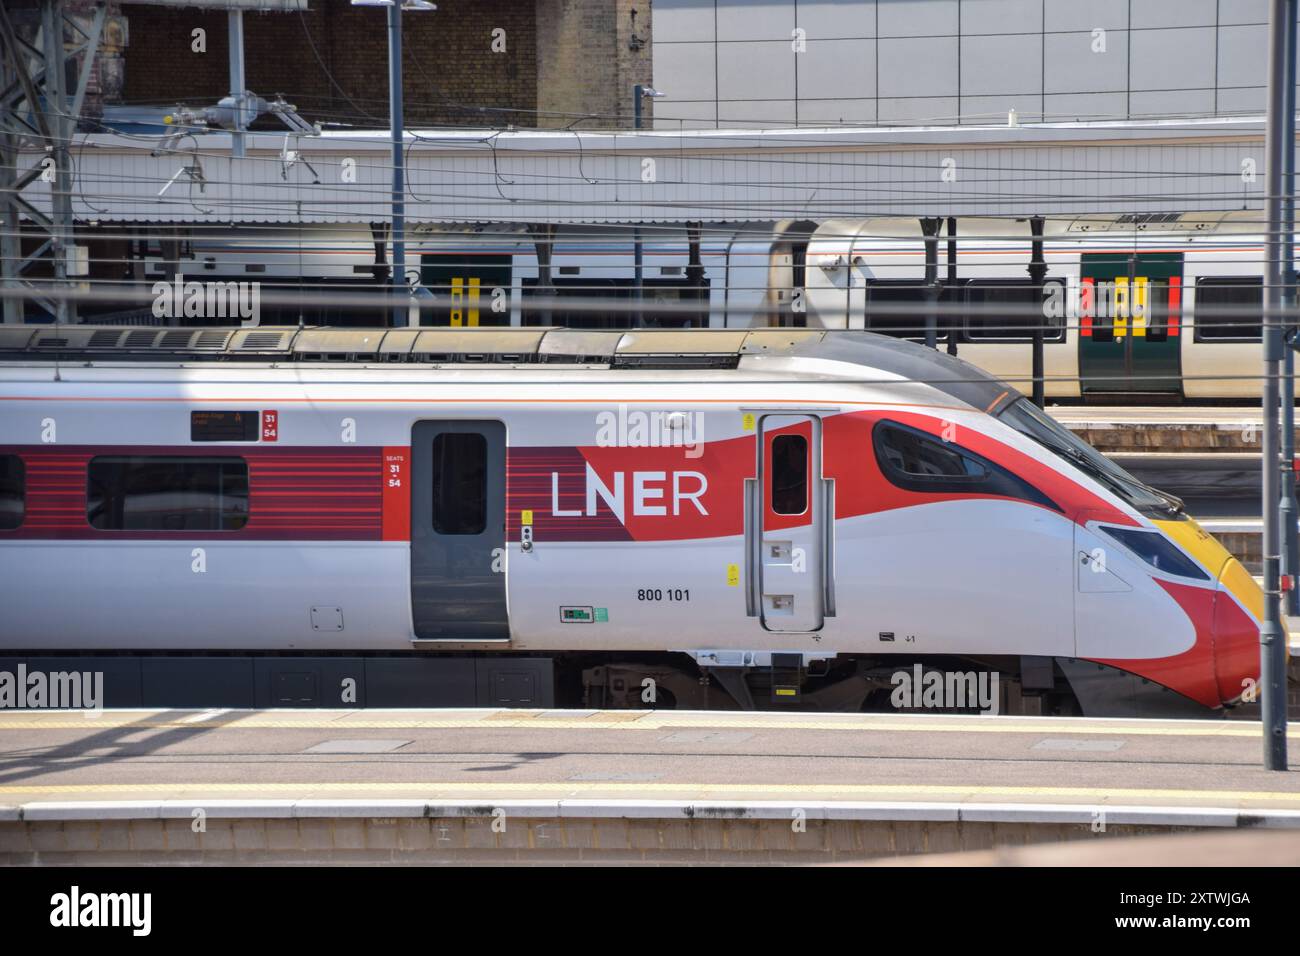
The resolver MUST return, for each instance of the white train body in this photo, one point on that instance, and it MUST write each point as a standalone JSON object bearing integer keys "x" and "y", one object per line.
{"x": 739, "y": 497}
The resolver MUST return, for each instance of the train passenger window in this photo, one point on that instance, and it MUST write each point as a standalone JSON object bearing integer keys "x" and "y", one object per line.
{"x": 459, "y": 483}
{"x": 140, "y": 493}
{"x": 897, "y": 308}
{"x": 913, "y": 454}
{"x": 13, "y": 482}
{"x": 789, "y": 474}
{"x": 1228, "y": 308}
{"x": 1006, "y": 310}
{"x": 1156, "y": 550}
{"x": 918, "y": 461}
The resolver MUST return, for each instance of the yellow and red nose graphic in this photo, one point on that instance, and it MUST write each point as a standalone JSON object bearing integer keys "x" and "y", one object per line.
{"x": 1238, "y": 608}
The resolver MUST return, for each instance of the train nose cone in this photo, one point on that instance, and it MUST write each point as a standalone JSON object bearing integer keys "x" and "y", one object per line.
{"x": 1238, "y": 610}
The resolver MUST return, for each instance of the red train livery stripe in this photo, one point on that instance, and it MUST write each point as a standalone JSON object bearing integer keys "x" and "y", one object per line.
{"x": 588, "y": 493}
{"x": 295, "y": 494}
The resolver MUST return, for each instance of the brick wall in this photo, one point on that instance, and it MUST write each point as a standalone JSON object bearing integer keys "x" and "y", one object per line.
{"x": 563, "y": 60}
{"x": 450, "y": 74}
{"x": 586, "y": 65}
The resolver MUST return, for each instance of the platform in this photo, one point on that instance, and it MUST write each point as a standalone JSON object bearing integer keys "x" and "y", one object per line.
{"x": 426, "y": 786}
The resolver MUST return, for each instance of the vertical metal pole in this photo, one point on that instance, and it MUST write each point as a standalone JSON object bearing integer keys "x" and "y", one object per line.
{"x": 11, "y": 251}
{"x": 1289, "y": 509}
{"x": 61, "y": 129}
{"x": 1037, "y": 273}
{"x": 1272, "y": 636}
{"x": 235, "y": 31}
{"x": 930, "y": 230}
{"x": 638, "y": 265}
{"x": 952, "y": 281}
{"x": 398, "y": 275}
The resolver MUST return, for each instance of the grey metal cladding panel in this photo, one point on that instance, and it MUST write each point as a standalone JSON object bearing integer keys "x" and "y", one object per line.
{"x": 684, "y": 71}
{"x": 515, "y": 681}
{"x": 1171, "y": 103}
{"x": 1085, "y": 16}
{"x": 1084, "y": 106}
{"x": 849, "y": 112}
{"x": 680, "y": 20}
{"x": 994, "y": 109}
{"x": 747, "y": 114}
{"x": 1071, "y": 66}
{"x": 698, "y": 115}
{"x": 1243, "y": 56}
{"x": 1163, "y": 14}
{"x": 197, "y": 682}
{"x": 309, "y": 681}
{"x": 921, "y": 110}
{"x": 1001, "y": 17}
{"x": 1173, "y": 59}
{"x": 422, "y": 682}
{"x": 756, "y": 70}
{"x": 925, "y": 66}
{"x": 900, "y": 18}
{"x": 754, "y": 19}
{"x": 1001, "y": 65}
{"x": 1243, "y": 11}
{"x": 836, "y": 68}
{"x": 1248, "y": 100}
{"x": 826, "y": 19}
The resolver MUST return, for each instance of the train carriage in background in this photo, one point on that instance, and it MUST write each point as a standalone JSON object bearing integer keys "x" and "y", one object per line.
{"x": 1131, "y": 315}
{"x": 1156, "y": 308}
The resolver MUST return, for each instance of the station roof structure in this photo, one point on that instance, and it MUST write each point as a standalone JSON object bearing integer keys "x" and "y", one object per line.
{"x": 572, "y": 176}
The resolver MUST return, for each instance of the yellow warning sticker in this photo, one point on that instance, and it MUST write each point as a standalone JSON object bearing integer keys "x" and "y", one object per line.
{"x": 747, "y": 421}
{"x": 733, "y": 575}
{"x": 525, "y": 517}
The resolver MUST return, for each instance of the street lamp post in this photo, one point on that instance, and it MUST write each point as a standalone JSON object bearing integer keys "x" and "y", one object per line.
{"x": 1279, "y": 138}
{"x": 638, "y": 92}
{"x": 397, "y": 277}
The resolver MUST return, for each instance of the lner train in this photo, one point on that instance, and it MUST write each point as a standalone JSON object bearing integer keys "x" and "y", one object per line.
{"x": 743, "y": 518}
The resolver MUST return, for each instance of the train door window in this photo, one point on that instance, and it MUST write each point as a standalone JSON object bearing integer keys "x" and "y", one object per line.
{"x": 1153, "y": 300}
{"x": 1006, "y": 310}
{"x": 167, "y": 493}
{"x": 13, "y": 488}
{"x": 789, "y": 474}
{"x": 1098, "y": 307}
{"x": 459, "y": 483}
{"x": 1228, "y": 308}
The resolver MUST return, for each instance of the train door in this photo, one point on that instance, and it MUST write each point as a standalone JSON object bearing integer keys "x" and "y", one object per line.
{"x": 1129, "y": 322}
{"x": 787, "y": 525}
{"x": 458, "y": 487}
{"x": 468, "y": 290}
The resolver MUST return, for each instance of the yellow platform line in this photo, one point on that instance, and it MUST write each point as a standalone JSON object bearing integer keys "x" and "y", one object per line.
{"x": 353, "y": 720}
{"x": 487, "y": 791}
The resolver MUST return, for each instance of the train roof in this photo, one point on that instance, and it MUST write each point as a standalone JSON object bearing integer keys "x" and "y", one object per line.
{"x": 660, "y": 349}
